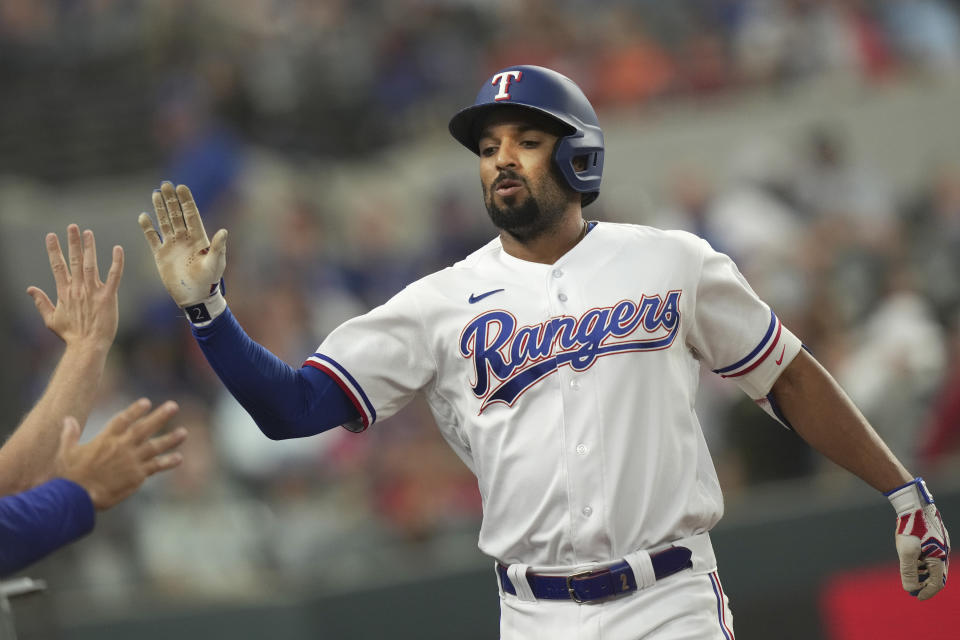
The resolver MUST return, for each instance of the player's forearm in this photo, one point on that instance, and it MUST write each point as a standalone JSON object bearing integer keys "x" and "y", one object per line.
{"x": 26, "y": 459}
{"x": 823, "y": 415}
{"x": 283, "y": 401}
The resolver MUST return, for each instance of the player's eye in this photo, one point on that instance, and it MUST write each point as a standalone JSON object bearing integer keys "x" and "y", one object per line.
{"x": 530, "y": 144}
{"x": 488, "y": 150}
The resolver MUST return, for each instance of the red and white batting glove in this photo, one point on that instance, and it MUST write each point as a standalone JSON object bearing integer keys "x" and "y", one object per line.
{"x": 923, "y": 543}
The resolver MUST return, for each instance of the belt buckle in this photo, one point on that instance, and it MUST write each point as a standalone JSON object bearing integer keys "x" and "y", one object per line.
{"x": 581, "y": 574}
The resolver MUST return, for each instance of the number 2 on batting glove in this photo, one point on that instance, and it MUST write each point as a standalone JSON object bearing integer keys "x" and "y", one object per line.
{"x": 190, "y": 265}
{"x": 923, "y": 543}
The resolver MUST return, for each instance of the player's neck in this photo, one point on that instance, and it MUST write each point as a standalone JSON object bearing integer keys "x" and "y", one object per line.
{"x": 550, "y": 246}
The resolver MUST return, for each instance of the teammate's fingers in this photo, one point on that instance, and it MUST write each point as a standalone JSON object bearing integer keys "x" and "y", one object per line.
{"x": 191, "y": 215}
{"x": 153, "y": 238}
{"x": 116, "y": 269}
{"x": 149, "y": 425}
{"x": 162, "y": 463}
{"x": 161, "y": 444}
{"x": 173, "y": 208}
{"x": 91, "y": 272}
{"x": 61, "y": 275}
{"x": 119, "y": 423}
{"x": 42, "y": 301}
{"x": 163, "y": 218}
{"x": 75, "y": 254}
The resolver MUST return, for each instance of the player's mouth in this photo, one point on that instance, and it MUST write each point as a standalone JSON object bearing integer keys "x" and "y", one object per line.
{"x": 507, "y": 187}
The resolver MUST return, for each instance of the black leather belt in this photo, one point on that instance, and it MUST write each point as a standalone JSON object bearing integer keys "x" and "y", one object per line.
{"x": 596, "y": 584}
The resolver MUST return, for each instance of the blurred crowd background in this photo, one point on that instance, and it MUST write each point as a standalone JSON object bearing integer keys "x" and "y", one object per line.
{"x": 315, "y": 132}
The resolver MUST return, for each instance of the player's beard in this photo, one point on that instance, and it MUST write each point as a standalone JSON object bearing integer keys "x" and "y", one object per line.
{"x": 534, "y": 215}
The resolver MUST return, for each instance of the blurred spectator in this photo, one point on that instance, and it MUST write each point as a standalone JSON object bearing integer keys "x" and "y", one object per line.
{"x": 941, "y": 438}
{"x": 840, "y": 37}
{"x": 932, "y": 230}
{"x": 753, "y": 218}
{"x": 631, "y": 68}
{"x": 379, "y": 267}
{"x": 458, "y": 230}
{"x": 895, "y": 363}
{"x": 703, "y": 67}
{"x": 688, "y": 201}
{"x": 760, "y": 39}
{"x": 180, "y": 535}
{"x": 926, "y": 33}
{"x": 419, "y": 488}
{"x": 832, "y": 184}
{"x": 301, "y": 256}
{"x": 197, "y": 148}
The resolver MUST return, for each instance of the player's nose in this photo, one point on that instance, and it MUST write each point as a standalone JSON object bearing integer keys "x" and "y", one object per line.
{"x": 506, "y": 155}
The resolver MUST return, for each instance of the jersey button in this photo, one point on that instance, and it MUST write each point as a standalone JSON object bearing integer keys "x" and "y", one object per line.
{"x": 562, "y": 297}
{"x": 587, "y": 511}
{"x": 575, "y": 385}
{"x": 582, "y": 449}
{"x": 558, "y": 273}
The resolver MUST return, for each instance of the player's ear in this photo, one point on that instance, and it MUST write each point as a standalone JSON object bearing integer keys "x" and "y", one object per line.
{"x": 580, "y": 163}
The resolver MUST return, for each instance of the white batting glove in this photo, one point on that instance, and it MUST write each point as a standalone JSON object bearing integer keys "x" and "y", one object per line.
{"x": 923, "y": 543}
{"x": 190, "y": 266}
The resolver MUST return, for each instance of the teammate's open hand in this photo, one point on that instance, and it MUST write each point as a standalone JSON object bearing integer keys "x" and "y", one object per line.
{"x": 190, "y": 265}
{"x": 86, "y": 310}
{"x": 116, "y": 462}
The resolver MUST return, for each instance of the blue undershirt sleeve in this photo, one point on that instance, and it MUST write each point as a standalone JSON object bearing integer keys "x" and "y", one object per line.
{"x": 283, "y": 401}
{"x": 35, "y": 522}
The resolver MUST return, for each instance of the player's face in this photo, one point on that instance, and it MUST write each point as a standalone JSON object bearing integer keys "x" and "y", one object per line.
{"x": 522, "y": 189}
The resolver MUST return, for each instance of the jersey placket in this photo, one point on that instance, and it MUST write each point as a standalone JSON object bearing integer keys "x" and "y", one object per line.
{"x": 580, "y": 433}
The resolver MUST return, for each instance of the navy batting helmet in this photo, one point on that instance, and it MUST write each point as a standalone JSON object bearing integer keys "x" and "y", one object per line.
{"x": 555, "y": 95}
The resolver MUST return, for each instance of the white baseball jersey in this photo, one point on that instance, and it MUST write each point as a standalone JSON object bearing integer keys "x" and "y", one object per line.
{"x": 568, "y": 389}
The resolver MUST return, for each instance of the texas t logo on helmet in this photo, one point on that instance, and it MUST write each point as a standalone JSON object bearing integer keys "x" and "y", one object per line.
{"x": 503, "y": 79}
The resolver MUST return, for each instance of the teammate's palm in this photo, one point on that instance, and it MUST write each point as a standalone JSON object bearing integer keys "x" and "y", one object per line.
{"x": 190, "y": 265}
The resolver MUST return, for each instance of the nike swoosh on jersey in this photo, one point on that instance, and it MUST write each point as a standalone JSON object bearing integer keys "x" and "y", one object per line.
{"x": 782, "y": 351}
{"x": 474, "y": 299}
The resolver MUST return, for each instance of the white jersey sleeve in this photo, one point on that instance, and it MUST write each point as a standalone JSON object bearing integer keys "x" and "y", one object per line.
{"x": 380, "y": 359}
{"x": 734, "y": 332}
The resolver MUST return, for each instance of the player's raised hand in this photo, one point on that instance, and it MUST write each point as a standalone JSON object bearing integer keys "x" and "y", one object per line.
{"x": 86, "y": 310}
{"x": 923, "y": 543}
{"x": 190, "y": 265}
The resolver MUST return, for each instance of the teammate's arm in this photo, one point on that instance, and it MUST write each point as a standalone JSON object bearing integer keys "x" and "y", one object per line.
{"x": 90, "y": 477}
{"x": 822, "y": 414}
{"x": 284, "y": 402}
{"x": 85, "y": 317}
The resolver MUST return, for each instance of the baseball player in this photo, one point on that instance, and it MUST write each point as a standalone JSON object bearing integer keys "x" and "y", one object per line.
{"x": 561, "y": 363}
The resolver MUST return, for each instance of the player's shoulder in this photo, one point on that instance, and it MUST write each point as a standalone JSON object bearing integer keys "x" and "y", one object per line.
{"x": 646, "y": 237}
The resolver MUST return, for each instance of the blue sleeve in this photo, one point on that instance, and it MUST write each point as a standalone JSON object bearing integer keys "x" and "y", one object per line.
{"x": 285, "y": 402}
{"x": 41, "y": 520}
